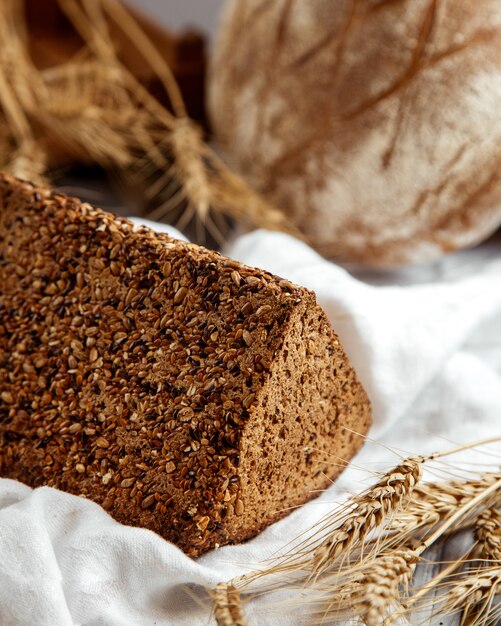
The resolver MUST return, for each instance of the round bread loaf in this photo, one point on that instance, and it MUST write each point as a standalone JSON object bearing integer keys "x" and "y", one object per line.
{"x": 375, "y": 125}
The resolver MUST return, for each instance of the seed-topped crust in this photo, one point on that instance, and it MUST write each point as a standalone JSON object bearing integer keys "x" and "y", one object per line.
{"x": 131, "y": 365}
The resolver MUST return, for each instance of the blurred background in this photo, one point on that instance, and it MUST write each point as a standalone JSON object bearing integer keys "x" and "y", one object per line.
{"x": 180, "y": 14}
{"x": 369, "y": 130}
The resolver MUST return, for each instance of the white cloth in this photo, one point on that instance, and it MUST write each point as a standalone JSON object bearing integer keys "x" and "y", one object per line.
{"x": 427, "y": 345}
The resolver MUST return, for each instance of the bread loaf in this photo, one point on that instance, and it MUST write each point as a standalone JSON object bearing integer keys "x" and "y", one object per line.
{"x": 182, "y": 391}
{"x": 374, "y": 125}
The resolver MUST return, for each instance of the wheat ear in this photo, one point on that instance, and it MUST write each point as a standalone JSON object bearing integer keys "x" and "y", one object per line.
{"x": 228, "y": 606}
{"x": 488, "y": 534}
{"x": 381, "y": 583}
{"x": 473, "y": 595}
{"x": 92, "y": 109}
{"x": 371, "y": 509}
{"x": 377, "y": 505}
{"x": 379, "y": 597}
{"x": 432, "y": 502}
{"x": 345, "y": 565}
{"x": 449, "y": 523}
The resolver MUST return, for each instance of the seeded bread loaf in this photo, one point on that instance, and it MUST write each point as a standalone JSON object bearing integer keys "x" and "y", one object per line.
{"x": 182, "y": 391}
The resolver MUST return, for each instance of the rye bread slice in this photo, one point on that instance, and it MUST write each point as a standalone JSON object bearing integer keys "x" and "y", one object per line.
{"x": 184, "y": 392}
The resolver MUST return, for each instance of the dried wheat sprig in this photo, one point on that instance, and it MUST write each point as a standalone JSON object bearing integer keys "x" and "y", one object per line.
{"x": 475, "y": 588}
{"x": 371, "y": 509}
{"x": 375, "y": 577}
{"x": 381, "y": 585}
{"x": 430, "y": 586}
{"x": 434, "y": 501}
{"x": 25, "y": 161}
{"x": 470, "y": 592}
{"x": 465, "y": 508}
{"x": 228, "y": 609}
{"x": 206, "y": 182}
{"x": 97, "y": 111}
{"x": 343, "y": 536}
{"x": 368, "y": 590}
{"x": 21, "y": 152}
{"x": 338, "y": 535}
{"x": 473, "y": 594}
{"x": 149, "y": 52}
{"x": 401, "y": 485}
{"x": 458, "y": 514}
{"x": 333, "y": 566}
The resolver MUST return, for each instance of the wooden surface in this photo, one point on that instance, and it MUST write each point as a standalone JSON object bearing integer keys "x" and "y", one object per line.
{"x": 435, "y": 559}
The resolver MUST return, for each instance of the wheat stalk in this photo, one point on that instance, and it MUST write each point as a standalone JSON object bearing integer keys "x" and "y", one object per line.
{"x": 360, "y": 561}
{"x": 96, "y": 111}
{"x": 368, "y": 511}
{"x": 338, "y": 535}
{"x": 398, "y": 490}
{"x": 397, "y": 566}
{"x": 381, "y": 583}
{"x": 379, "y": 587}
